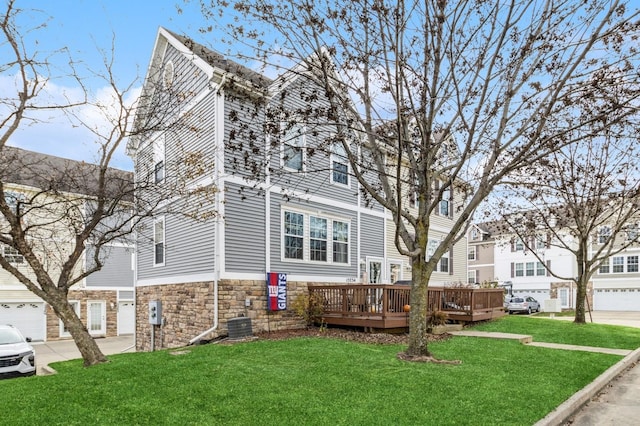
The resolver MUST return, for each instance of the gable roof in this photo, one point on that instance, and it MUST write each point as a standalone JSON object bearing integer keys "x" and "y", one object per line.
{"x": 50, "y": 173}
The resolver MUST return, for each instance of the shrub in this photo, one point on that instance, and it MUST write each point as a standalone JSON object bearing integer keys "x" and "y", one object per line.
{"x": 310, "y": 307}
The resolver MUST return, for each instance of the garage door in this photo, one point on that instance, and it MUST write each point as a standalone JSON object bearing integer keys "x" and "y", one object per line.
{"x": 126, "y": 318}
{"x": 28, "y": 317}
{"x": 616, "y": 299}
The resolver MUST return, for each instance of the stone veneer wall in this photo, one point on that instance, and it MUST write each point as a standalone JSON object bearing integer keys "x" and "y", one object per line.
{"x": 188, "y": 310}
{"x": 571, "y": 285}
{"x": 110, "y": 298}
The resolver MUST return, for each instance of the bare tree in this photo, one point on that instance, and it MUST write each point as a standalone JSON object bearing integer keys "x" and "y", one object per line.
{"x": 73, "y": 210}
{"x": 584, "y": 199}
{"x": 462, "y": 93}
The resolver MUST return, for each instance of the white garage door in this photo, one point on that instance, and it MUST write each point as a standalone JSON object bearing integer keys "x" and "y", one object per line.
{"x": 28, "y": 317}
{"x": 126, "y": 318}
{"x": 616, "y": 299}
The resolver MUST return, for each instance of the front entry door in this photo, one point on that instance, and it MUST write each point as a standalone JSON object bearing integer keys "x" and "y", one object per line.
{"x": 96, "y": 317}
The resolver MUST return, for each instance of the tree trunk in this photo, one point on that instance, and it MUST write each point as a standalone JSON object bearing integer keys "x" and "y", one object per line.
{"x": 581, "y": 296}
{"x": 418, "y": 316}
{"x": 91, "y": 353}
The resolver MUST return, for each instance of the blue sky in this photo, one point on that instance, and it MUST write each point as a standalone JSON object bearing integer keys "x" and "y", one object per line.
{"x": 85, "y": 27}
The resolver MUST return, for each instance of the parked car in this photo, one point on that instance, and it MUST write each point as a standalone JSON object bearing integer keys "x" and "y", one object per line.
{"x": 17, "y": 357}
{"x": 523, "y": 304}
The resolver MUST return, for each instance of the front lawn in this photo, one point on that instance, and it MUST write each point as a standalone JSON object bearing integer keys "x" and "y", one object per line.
{"x": 562, "y": 331}
{"x": 312, "y": 381}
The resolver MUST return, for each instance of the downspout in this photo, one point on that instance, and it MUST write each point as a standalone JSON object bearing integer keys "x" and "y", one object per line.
{"x": 219, "y": 163}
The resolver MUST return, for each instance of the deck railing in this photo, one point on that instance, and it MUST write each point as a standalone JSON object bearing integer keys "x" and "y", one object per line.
{"x": 387, "y": 305}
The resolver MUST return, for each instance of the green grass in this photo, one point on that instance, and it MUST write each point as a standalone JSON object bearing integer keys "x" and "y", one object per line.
{"x": 563, "y": 331}
{"x": 314, "y": 381}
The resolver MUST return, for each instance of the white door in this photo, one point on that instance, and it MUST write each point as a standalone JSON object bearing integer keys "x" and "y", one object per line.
{"x": 126, "y": 317}
{"x": 27, "y": 317}
{"x": 96, "y": 317}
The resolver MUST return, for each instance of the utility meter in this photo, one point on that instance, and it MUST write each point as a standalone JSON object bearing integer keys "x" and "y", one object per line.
{"x": 155, "y": 312}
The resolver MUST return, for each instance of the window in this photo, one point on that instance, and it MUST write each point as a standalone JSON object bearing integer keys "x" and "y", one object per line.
{"x": 632, "y": 231}
{"x": 318, "y": 239}
{"x": 471, "y": 255}
{"x": 519, "y": 270}
{"x": 444, "y": 262}
{"x": 604, "y": 267}
{"x": 306, "y": 237}
{"x": 293, "y": 149}
{"x": 293, "y": 235}
{"x": 530, "y": 270}
{"x": 540, "y": 269}
{"x": 340, "y": 242}
{"x": 444, "y": 203}
{"x": 471, "y": 277}
{"x": 158, "y": 160}
{"x": 12, "y": 255}
{"x": 604, "y": 234}
{"x": 339, "y": 166}
{"x": 541, "y": 242}
{"x": 632, "y": 264}
{"x": 474, "y": 234}
{"x": 158, "y": 172}
{"x": 519, "y": 245}
{"x": 13, "y": 199}
{"x": 158, "y": 241}
{"x": 618, "y": 264}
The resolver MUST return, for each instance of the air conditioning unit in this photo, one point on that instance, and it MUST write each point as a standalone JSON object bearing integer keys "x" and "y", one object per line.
{"x": 239, "y": 328}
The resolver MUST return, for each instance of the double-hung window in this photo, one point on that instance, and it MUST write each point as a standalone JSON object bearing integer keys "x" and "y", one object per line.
{"x": 540, "y": 269}
{"x": 530, "y": 270}
{"x": 618, "y": 264}
{"x": 339, "y": 165}
{"x": 293, "y": 152}
{"x": 444, "y": 206}
{"x": 340, "y": 242}
{"x": 12, "y": 255}
{"x": 471, "y": 255}
{"x": 604, "y": 267}
{"x": 604, "y": 234}
{"x": 158, "y": 159}
{"x": 317, "y": 239}
{"x": 158, "y": 241}
{"x": 293, "y": 235}
{"x": 519, "y": 270}
{"x": 632, "y": 264}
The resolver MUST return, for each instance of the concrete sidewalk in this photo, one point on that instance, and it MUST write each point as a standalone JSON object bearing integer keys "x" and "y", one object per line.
{"x": 613, "y": 398}
{"x": 64, "y": 350}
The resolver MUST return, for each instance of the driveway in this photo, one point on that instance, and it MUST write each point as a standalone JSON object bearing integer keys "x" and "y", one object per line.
{"x": 64, "y": 350}
{"x": 626, "y": 318}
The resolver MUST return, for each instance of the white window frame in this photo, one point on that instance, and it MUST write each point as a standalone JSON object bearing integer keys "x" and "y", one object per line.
{"x": 397, "y": 263}
{"x": 474, "y": 234}
{"x": 168, "y": 74}
{"x": 635, "y": 263}
{"x": 339, "y": 156}
{"x": 319, "y": 238}
{"x": 444, "y": 262}
{"x": 11, "y": 254}
{"x": 471, "y": 276}
{"x": 631, "y": 231}
{"x": 519, "y": 245}
{"x": 306, "y": 237}
{"x": 76, "y": 307}
{"x": 618, "y": 263}
{"x": 296, "y": 133}
{"x": 604, "y": 233}
{"x": 532, "y": 270}
{"x": 541, "y": 270}
{"x": 605, "y": 267}
{"x": 471, "y": 254}
{"x": 444, "y": 206}
{"x": 159, "y": 159}
{"x": 163, "y": 242}
{"x": 518, "y": 267}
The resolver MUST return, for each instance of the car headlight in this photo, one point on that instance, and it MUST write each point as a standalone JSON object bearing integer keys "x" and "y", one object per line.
{"x": 30, "y": 356}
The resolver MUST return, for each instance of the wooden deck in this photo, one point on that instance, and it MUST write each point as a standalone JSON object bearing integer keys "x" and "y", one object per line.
{"x": 383, "y": 306}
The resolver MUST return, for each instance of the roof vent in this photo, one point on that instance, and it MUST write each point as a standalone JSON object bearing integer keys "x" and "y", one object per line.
{"x": 239, "y": 328}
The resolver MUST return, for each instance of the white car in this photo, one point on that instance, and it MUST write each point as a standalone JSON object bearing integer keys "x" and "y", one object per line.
{"x": 17, "y": 357}
{"x": 523, "y": 304}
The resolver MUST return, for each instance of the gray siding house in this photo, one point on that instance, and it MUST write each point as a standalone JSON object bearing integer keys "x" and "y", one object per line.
{"x": 241, "y": 200}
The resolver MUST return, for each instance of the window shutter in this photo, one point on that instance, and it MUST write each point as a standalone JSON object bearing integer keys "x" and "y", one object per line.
{"x": 548, "y": 240}
{"x": 512, "y": 270}
{"x": 451, "y": 200}
{"x": 436, "y": 187}
{"x": 451, "y": 262}
{"x": 548, "y": 267}
{"x": 513, "y": 246}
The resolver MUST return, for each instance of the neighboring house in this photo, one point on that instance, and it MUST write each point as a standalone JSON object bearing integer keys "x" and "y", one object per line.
{"x": 104, "y": 300}
{"x": 481, "y": 253}
{"x": 298, "y": 212}
{"x": 616, "y": 284}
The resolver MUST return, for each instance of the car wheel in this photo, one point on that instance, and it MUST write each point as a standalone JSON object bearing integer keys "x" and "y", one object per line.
{"x": 529, "y": 310}
{"x": 510, "y": 312}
